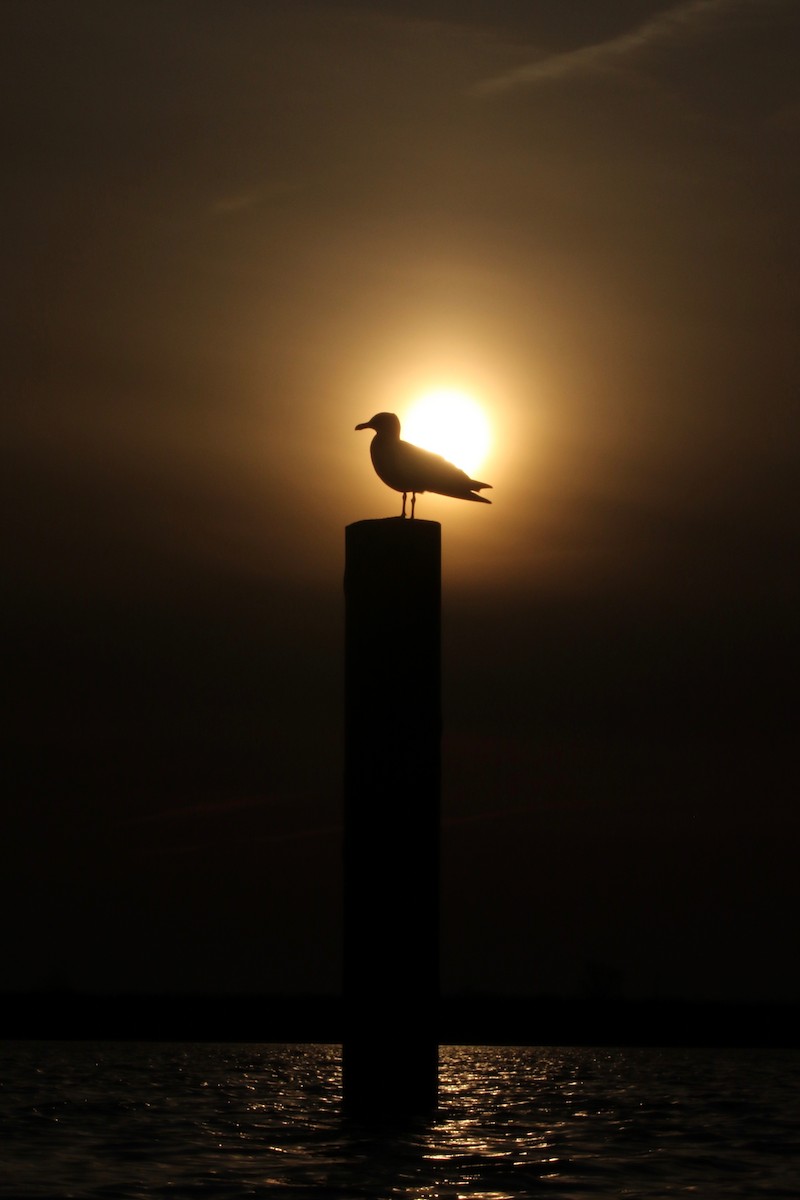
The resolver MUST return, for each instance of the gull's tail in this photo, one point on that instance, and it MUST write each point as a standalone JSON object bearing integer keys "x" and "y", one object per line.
{"x": 469, "y": 491}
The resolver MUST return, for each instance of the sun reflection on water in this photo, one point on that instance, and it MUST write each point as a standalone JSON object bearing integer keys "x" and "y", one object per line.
{"x": 224, "y": 1120}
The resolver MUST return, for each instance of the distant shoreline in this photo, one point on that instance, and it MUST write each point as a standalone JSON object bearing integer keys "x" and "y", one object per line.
{"x": 475, "y": 1020}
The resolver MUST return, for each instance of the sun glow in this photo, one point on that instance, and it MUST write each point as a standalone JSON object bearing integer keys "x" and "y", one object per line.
{"x": 452, "y": 424}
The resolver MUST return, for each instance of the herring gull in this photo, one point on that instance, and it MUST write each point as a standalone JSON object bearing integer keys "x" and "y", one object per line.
{"x": 408, "y": 468}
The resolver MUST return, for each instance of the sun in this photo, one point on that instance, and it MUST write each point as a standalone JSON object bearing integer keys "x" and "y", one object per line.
{"x": 450, "y": 423}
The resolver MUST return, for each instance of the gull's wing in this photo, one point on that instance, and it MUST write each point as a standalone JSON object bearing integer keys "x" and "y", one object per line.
{"x": 408, "y": 468}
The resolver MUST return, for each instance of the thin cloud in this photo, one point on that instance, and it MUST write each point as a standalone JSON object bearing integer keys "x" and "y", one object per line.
{"x": 672, "y": 27}
{"x": 226, "y": 205}
{"x": 265, "y": 839}
{"x": 204, "y": 808}
{"x": 233, "y": 203}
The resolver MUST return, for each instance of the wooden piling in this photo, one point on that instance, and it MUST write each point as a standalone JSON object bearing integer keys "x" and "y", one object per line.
{"x": 392, "y": 817}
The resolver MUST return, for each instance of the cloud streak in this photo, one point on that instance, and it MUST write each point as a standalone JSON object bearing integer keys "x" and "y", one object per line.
{"x": 204, "y": 808}
{"x": 670, "y": 28}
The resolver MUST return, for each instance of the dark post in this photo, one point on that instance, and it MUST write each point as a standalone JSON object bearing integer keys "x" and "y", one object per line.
{"x": 391, "y": 827}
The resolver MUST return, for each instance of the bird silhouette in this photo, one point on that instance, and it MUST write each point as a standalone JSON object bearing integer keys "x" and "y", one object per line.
{"x": 408, "y": 468}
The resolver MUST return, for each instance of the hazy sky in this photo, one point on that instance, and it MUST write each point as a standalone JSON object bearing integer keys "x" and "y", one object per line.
{"x": 234, "y": 230}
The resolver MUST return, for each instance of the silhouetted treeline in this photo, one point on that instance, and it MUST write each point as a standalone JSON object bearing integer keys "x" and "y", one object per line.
{"x": 474, "y": 1020}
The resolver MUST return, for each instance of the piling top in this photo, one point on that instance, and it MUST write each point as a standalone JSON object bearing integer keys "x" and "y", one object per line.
{"x": 389, "y": 558}
{"x": 409, "y": 524}
{"x": 394, "y": 535}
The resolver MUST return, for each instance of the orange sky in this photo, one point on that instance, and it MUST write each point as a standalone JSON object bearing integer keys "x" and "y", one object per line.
{"x": 236, "y": 235}
{"x": 235, "y": 230}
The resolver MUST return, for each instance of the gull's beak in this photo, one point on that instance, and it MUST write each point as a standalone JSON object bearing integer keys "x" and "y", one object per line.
{"x": 365, "y": 425}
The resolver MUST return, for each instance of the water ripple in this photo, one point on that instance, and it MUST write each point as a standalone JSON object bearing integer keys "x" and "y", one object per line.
{"x": 131, "y": 1121}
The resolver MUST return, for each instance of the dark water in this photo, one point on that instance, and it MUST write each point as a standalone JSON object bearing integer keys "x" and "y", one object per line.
{"x": 182, "y": 1120}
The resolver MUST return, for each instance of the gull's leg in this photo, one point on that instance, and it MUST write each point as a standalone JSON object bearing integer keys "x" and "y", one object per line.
{"x": 413, "y": 502}
{"x": 403, "y": 513}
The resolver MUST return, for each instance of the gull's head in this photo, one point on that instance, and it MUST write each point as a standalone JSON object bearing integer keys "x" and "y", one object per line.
{"x": 387, "y": 424}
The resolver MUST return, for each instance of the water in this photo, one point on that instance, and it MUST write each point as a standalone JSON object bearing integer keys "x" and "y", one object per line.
{"x": 130, "y": 1120}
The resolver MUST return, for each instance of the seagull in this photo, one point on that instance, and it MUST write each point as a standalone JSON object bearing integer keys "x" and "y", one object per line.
{"x": 408, "y": 468}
